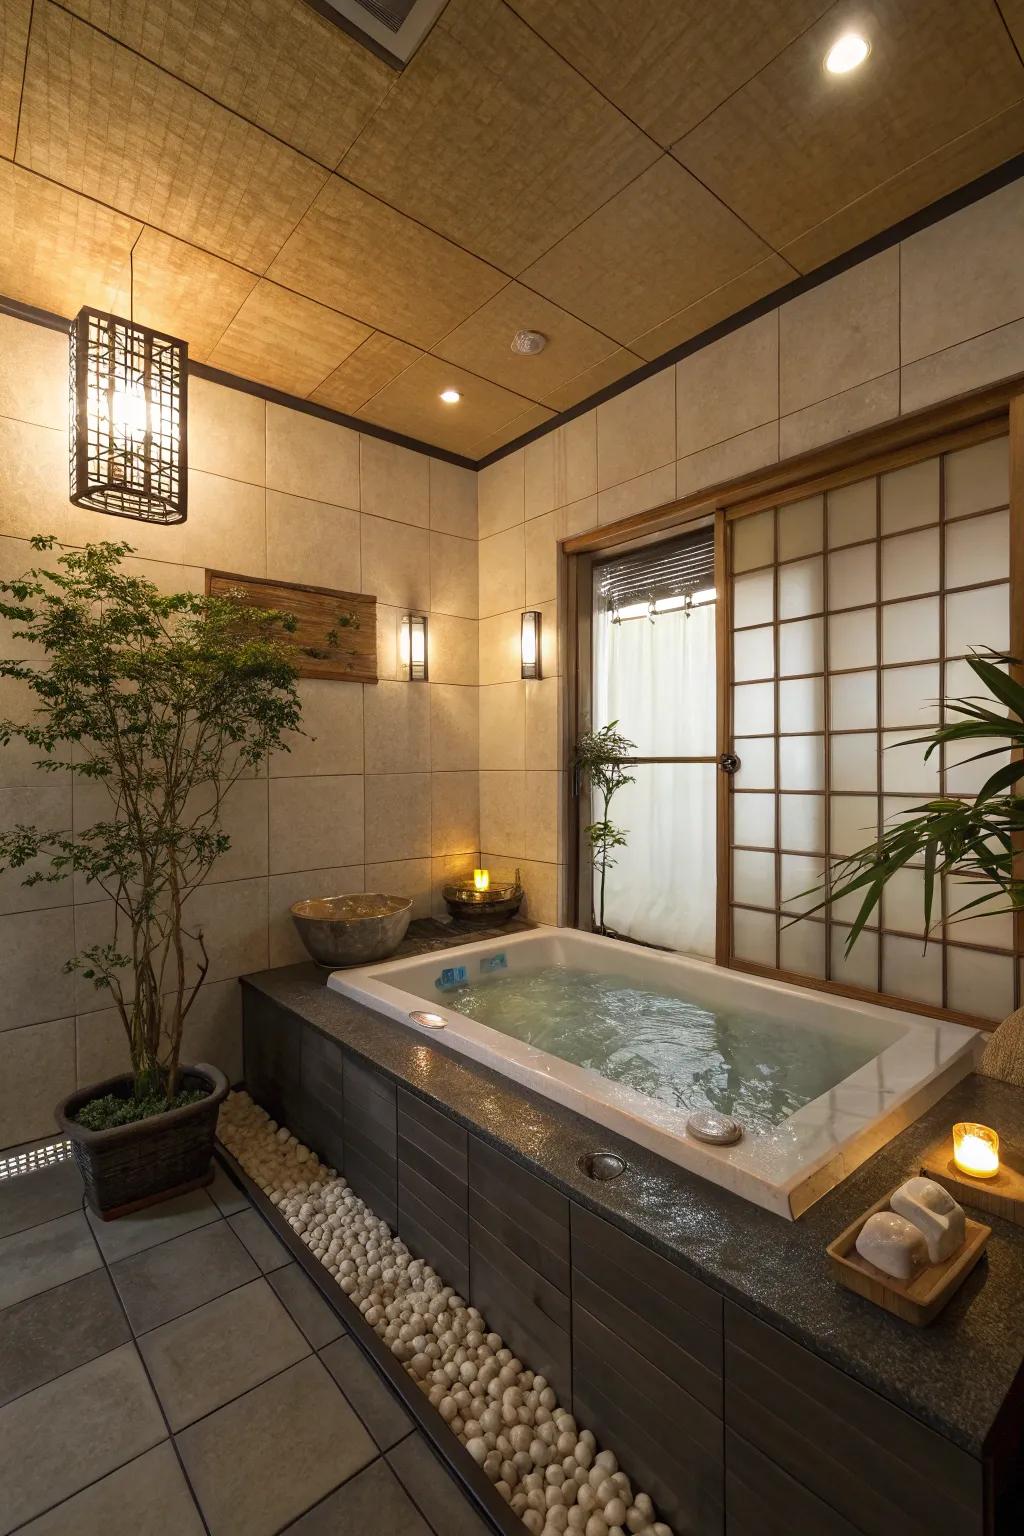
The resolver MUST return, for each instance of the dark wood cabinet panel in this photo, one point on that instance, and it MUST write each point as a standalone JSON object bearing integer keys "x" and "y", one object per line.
{"x": 762, "y": 1500}
{"x": 530, "y": 1313}
{"x": 522, "y": 1211}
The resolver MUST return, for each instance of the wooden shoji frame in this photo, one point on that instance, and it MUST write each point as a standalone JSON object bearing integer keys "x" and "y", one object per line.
{"x": 953, "y": 424}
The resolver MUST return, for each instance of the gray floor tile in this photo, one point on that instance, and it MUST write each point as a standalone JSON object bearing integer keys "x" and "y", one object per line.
{"x": 148, "y": 1497}
{"x": 143, "y": 1229}
{"x": 202, "y": 1360}
{"x": 225, "y": 1193}
{"x": 374, "y": 1500}
{"x": 268, "y": 1456}
{"x": 268, "y": 1251}
{"x": 55, "y": 1440}
{"x": 164, "y": 1282}
{"x": 30, "y": 1198}
{"x": 367, "y": 1391}
{"x": 434, "y": 1490}
{"x": 43, "y": 1257}
{"x": 317, "y": 1320}
{"x": 54, "y": 1332}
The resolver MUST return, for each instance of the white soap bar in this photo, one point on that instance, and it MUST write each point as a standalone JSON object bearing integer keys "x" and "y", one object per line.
{"x": 935, "y": 1214}
{"x": 892, "y": 1244}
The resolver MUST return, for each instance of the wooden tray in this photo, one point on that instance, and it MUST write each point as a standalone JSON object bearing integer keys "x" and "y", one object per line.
{"x": 999, "y": 1196}
{"x": 920, "y": 1300}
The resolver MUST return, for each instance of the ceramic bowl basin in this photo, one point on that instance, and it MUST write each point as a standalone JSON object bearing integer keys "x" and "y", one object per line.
{"x": 352, "y": 930}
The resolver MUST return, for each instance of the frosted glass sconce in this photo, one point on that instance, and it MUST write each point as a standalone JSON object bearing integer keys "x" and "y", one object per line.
{"x": 529, "y": 644}
{"x": 413, "y": 647}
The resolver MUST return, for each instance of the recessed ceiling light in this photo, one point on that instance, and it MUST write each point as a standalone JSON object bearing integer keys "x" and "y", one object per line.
{"x": 846, "y": 53}
{"x": 450, "y": 396}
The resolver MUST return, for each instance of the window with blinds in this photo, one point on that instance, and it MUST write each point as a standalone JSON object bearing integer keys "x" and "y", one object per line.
{"x": 851, "y": 614}
{"x": 659, "y": 578}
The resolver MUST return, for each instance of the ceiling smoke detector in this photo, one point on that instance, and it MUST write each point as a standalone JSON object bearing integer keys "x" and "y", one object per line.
{"x": 529, "y": 343}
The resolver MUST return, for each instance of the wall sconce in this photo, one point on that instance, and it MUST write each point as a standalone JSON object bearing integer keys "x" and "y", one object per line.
{"x": 413, "y": 647}
{"x": 529, "y": 644}
{"x": 129, "y": 409}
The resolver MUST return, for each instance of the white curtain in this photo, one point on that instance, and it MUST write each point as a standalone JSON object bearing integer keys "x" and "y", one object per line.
{"x": 658, "y": 681}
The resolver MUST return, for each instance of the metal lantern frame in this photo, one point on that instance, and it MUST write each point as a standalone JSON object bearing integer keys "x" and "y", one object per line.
{"x": 529, "y": 645}
{"x": 135, "y": 468}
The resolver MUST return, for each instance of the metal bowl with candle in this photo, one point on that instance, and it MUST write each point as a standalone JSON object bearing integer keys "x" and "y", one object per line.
{"x": 482, "y": 899}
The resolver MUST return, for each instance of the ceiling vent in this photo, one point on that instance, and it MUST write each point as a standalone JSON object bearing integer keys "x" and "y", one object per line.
{"x": 392, "y": 28}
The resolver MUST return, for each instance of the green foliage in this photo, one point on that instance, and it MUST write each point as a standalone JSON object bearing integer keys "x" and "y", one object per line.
{"x": 162, "y": 703}
{"x": 110, "y": 1110}
{"x": 975, "y": 841}
{"x": 599, "y": 759}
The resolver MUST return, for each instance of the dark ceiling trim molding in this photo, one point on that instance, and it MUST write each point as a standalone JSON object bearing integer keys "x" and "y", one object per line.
{"x": 51, "y": 322}
{"x": 952, "y": 202}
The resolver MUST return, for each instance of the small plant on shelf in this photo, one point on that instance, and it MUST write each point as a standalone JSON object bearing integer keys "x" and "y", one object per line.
{"x": 975, "y": 842}
{"x": 601, "y": 759}
{"x": 160, "y": 704}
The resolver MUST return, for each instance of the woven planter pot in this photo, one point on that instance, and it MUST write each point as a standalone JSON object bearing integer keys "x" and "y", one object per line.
{"x": 130, "y": 1166}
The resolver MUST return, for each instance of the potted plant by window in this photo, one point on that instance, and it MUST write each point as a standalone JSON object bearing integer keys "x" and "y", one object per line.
{"x": 164, "y": 702}
{"x": 598, "y": 759}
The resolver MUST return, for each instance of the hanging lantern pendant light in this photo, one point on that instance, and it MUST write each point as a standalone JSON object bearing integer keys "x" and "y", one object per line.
{"x": 129, "y": 408}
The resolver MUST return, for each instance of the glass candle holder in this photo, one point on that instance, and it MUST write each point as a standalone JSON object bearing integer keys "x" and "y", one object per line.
{"x": 482, "y": 879}
{"x": 976, "y": 1150}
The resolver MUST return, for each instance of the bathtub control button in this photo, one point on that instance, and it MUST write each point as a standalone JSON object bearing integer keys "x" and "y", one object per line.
{"x": 428, "y": 1020}
{"x": 709, "y": 1125}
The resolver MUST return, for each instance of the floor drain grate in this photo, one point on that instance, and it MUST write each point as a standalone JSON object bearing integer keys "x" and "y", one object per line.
{"x": 30, "y": 1161}
{"x": 602, "y": 1165}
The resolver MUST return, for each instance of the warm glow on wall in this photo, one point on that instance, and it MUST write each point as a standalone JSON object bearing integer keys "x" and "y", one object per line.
{"x": 129, "y": 405}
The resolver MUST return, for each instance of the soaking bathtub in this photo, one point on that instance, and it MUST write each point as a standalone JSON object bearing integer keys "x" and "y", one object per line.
{"x": 818, "y": 1082}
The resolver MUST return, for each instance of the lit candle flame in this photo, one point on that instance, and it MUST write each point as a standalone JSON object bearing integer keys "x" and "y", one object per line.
{"x": 482, "y": 879}
{"x": 976, "y": 1150}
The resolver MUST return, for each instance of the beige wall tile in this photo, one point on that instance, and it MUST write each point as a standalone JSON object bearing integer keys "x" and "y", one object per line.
{"x": 101, "y": 1045}
{"x": 397, "y": 817}
{"x": 654, "y": 489}
{"x": 853, "y": 411}
{"x": 542, "y": 884}
{"x": 285, "y": 945}
{"x": 637, "y": 430}
{"x": 213, "y": 1029}
{"x": 316, "y": 823}
{"x": 454, "y": 812}
{"x": 501, "y": 493}
{"x": 388, "y": 660}
{"x": 454, "y": 727}
{"x": 454, "y": 581}
{"x": 396, "y": 564}
{"x": 37, "y": 1070}
{"x": 841, "y": 333}
{"x": 551, "y": 662}
{"x": 33, "y": 949}
{"x": 453, "y": 500}
{"x": 502, "y": 571}
{"x": 94, "y": 924}
{"x": 539, "y": 469}
{"x": 964, "y": 275}
{"x": 541, "y": 806}
{"x": 502, "y": 812}
{"x": 332, "y": 718}
{"x": 227, "y": 431}
{"x": 725, "y": 461}
{"x": 150, "y": 541}
{"x": 33, "y": 373}
{"x": 581, "y": 516}
{"x": 394, "y": 481}
{"x": 728, "y": 387}
{"x": 227, "y": 525}
{"x": 575, "y": 455}
{"x": 396, "y": 728}
{"x": 244, "y": 819}
{"x": 34, "y": 480}
{"x": 46, "y": 805}
{"x": 542, "y": 722}
{"x": 541, "y": 560}
{"x": 453, "y": 649}
{"x": 312, "y": 458}
{"x": 500, "y": 659}
{"x": 503, "y": 725}
{"x": 403, "y": 877}
{"x": 233, "y": 919}
{"x": 312, "y": 543}
{"x": 448, "y": 871}
{"x": 983, "y": 360}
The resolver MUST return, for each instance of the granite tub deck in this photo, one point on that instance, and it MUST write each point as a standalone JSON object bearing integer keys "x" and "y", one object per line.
{"x": 798, "y": 1398}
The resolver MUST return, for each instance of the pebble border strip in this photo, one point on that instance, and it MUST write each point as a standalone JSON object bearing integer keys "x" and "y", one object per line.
{"x": 509, "y": 1420}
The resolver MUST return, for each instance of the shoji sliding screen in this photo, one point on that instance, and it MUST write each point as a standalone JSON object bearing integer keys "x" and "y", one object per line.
{"x": 852, "y": 612}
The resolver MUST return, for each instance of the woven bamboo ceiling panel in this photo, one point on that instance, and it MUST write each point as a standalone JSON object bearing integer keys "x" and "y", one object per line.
{"x": 617, "y": 174}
